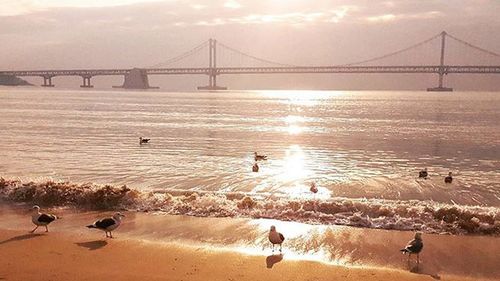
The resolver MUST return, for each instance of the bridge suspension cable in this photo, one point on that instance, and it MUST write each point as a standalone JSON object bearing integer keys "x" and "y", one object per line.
{"x": 182, "y": 56}
{"x": 394, "y": 53}
{"x": 473, "y": 46}
{"x": 252, "y": 57}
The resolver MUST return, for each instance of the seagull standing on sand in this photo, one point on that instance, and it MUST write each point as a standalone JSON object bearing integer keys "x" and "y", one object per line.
{"x": 275, "y": 237}
{"x": 108, "y": 224}
{"x": 415, "y": 246}
{"x": 40, "y": 219}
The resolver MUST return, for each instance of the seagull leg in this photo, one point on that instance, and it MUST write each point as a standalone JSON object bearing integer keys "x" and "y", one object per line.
{"x": 418, "y": 259}
{"x": 110, "y": 235}
{"x": 273, "y": 248}
{"x": 34, "y": 229}
{"x": 106, "y": 234}
{"x": 280, "y": 248}
{"x": 46, "y": 229}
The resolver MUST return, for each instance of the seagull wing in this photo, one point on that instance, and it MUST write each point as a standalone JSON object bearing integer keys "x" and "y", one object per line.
{"x": 46, "y": 218}
{"x": 281, "y": 237}
{"x": 414, "y": 246}
{"x": 104, "y": 223}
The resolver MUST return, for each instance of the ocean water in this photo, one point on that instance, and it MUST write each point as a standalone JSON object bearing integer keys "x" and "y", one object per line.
{"x": 353, "y": 145}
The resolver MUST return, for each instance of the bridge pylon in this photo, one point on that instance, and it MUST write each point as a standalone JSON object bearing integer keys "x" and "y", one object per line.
{"x": 442, "y": 68}
{"x": 86, "y": 82}
{"x": 212, "y": 68}
{"x": 47, "y": 81}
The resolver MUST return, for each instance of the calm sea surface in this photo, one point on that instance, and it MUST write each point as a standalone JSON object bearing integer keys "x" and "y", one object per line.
{"x": 351, "y": 144}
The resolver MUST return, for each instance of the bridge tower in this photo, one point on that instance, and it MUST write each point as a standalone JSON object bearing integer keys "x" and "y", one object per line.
{"x": 442, "y": 68}
{"x": 212, "y": 68}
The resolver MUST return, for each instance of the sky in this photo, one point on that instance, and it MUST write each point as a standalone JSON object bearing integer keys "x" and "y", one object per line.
{"x": 62, "y": 34}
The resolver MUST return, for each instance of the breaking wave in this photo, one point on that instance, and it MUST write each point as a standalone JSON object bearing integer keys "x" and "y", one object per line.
{"x": 425, "y": 216}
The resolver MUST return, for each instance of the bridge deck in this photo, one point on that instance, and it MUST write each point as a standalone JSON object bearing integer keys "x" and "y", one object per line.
{"x": 264, "y": 70}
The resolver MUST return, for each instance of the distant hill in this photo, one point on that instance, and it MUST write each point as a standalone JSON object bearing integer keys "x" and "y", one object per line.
{"x": 9, "y": 80}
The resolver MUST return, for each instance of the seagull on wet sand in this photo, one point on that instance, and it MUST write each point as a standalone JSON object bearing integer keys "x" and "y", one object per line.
{"x": 108, "y": 224}
{"x": 415, "y": 246}
{"x": 40, "y": 219}
{"x": 275, "y": 237}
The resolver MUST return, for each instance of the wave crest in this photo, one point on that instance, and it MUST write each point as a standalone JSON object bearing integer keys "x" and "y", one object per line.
{"x": 426, "y": 216}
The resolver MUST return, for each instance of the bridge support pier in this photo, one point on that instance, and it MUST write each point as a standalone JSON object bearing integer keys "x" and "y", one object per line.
{"x": 137, "y": 78}
{"x": 47, "y": 81}
{"x": 212, "y": 84}
{"x": 440, "y": 87}
{"x": 86, "y": 82}
{"x": 212, "y": 65}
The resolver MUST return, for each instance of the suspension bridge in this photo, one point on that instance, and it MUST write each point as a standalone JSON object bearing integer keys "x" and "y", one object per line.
{"x": 430, "y": 56}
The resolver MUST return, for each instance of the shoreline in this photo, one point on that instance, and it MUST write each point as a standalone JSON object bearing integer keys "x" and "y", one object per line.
{"x": 146, "y": 245}
{"x": 58, "y": 256}
{"x": 372, "y": 213}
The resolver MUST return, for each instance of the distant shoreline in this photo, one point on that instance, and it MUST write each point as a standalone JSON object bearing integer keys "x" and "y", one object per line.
{"x": 8, "y": 80}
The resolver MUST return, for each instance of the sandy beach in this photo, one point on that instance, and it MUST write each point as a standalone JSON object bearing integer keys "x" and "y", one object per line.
{"x": 58, "y": 256}
{"x": 160, "y": 247}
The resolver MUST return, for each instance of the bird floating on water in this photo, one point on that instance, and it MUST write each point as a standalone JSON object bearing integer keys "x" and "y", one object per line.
{"x": 108, "y": 224}
{"x": 41, "y": 219}
{"x": 143, "y": 140}
{"x": 449, "y": 178}
{"x": 313, "y": 188}
{"x": 275, "y": 237}
{"x": 259, "y": 157}
{"x": 255, "y": 168}
{"x": 415, "y": 246}
{"x": 423, "y": 173}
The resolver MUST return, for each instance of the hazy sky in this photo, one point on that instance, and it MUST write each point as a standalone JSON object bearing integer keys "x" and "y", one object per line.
{"x": 138, "y": 33}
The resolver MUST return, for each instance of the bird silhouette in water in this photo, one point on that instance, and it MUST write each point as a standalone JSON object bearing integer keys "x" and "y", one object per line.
{"x": 258, "y": 157}
{"x": 41, "y": 219}
{"x": 423, "y": 174}
{"x": 449, "y": 178}
{"x": 143, "y": 140}
{"x": 255, "y": 168}
{"x": 275, "y": 237}
{"x": 415, "y": 246}
{"x": 313, "y": 188}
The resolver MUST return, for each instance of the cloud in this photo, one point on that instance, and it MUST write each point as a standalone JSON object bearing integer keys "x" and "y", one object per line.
{"x": 232, "y": 4}
{"x": 392, "y": 17}
{"x": 21, "y": 7}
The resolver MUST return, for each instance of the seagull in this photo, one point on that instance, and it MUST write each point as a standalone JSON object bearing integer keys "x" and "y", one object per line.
{"x": 255, "y": 168}
{"x": 449, "y": 178}
{"x": 40, "y": 219}
{"x": 108, "y": 224}
{"x": 313, "y": 188}
{"x": 259, "y": 157}
{"x": 415, "y": 246}
{"x": 142, "y": 140}
{"x": 423, "y": 173}
{"x": 275, "y": 237}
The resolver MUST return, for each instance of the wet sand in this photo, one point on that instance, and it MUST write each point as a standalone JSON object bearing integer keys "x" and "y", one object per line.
{"x": 160, "y": 247}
